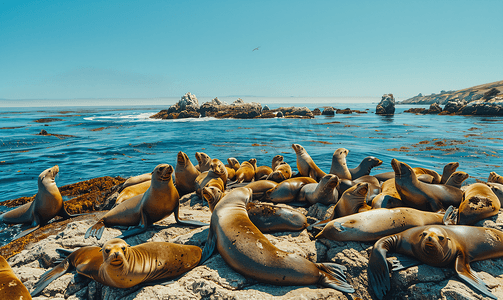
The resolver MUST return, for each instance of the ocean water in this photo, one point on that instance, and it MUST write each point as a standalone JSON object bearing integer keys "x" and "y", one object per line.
{"x": 124, "y": 141}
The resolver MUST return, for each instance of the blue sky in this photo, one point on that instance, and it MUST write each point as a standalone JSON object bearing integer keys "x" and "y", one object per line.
{"x": 148, "y": 49}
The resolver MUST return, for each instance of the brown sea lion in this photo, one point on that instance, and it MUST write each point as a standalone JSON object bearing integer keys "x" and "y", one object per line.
{"x": 246, "y": 250}
{"x": 419, "y": 171}
{"x": 272, "y": 218}
{"x": 136, "y": 180}
{"x": 365, "y": 167}
{"x": 11, "y": 288}
{"x": 132, "y": 190}
{"x": 276, "y": 161}
{"x": 159, "y": 201}
{"x": 122, "y": 266}
{"x": 306, "y": 165}
{"x": 339, "y": 166}
{"x": 203, "y": 162}
{"x": 246, "y": 171}
{"x": 494, "y": 177}
{"x": 281, "y": 170}
{"x": 217, "y": 171}
{"x": 212, "y": 195}
{"x": 371, "y": 225}
{"x": 287, "y": 190}
{"x": 449, "y": 169}
{"x": 345, "y": 184}
{"x": 420, "y": 195}
{"x": 497, "y": 189}
{"x": 324, "y": 192}
{"x": 388, "y": 198}
{"x": 438, "y": 246}
{"x": 47, "y": 204}
{"x": 352, "y": 201}
{"x": 260, "y": 187}
{"x": 479, "y": 202}
{"x": 185, "y": 174}
{"x": 423, "y": 174}
{"x": 262, "y": 172}
{"x": 232, "y": 166}
{"x": 456, "y": 179}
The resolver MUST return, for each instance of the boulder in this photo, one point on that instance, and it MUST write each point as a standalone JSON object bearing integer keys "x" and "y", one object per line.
{"x": 454, "y": 106}
{"x": 493, "y": 107}
{"x": 186, "y": 107}
{"x": 434, "y": 109}
{"x": 295, "y": 112}
{"x": 345, "y": 111}
{"x": 386, "y": 106}
{"x": 317, "y": 112}
{"x": 265, "y": 108}
{"x": 328, "y": 111}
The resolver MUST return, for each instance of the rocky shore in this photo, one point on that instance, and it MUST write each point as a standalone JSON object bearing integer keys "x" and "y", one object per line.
{"x": 215, "y": 279}
{"x": 188, "y": 107}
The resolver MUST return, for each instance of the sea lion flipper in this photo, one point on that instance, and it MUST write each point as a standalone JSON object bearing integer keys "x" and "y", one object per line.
{"x": 378, "y": 269}
{"x": 333, "y": 276}
{"x": 49, "y": 276}
{"x": 96, "y": 230}
{"x": 468, "y": 276}
{"x": 403, "y": 262}
{"x": 25, "y": 232}
{"x": 186, "y": 222}
{"x": 65, "y": 215}
{"x": 209, "y": 247}
{"x": 451, "y": 216}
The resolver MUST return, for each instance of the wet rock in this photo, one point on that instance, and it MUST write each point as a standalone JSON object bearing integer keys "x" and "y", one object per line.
{"x": 434, "y": 109}
{"x": 416, "y": 110}
{"x": 237, "y": 110}
{"x": 265, "y": 108}
{"x": 493, "y": 107}
{"x": 295, "y": 112}
{"x": 328, "y": 111}
{"x": 345, "y": 111}
{"x": 186, "y": 107}
{"x": 454, "y": 106}
{"x": 386, "y": 106}
{"x": 316, "y": 112}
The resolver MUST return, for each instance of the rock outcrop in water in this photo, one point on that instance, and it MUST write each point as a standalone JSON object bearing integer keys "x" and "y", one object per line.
{"x": 492, "y": 107}
{"x": 386, "y": 106}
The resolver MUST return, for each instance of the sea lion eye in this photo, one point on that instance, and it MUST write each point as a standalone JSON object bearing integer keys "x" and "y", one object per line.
{"x": 423, "y": 234}
{"x": 124, "y": 248}
{"x": 440, "y": 237}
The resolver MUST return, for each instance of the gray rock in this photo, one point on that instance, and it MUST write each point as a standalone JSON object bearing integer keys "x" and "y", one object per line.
{"x": 386, "y": 106}
{"x": 328, "y": 111}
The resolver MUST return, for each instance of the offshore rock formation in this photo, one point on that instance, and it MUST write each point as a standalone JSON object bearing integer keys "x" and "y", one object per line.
{"x": 484, "y": 91}
{"x": 492, "y": 107}
{"x": 386, "y": 106}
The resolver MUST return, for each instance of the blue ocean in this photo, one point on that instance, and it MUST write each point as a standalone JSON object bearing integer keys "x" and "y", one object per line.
{"x": 100, "y": 140}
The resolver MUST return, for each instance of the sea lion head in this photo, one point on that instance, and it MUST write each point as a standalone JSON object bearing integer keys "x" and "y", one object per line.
{"x": 341, "y": 153}
{"x": 253, "y": 162}
{"x": 451, "y": 167}
{"x": 298, "y": 148}
{"x": 114, "y": 253}
{"x": 401, "y": 168}
{"x": 48, "y": 176}
{"x": 182, "y": 159}
{"x": 459, "y": 176}
{"x": 162, "y": 172}
{"x": 217, "y": 166}
{"x": 373, "y": 161}
{"x": 329, "y": 181}
{"x": 276, "y": 176}
{"x": 435, "y": 247}
{"x": 212, "y": 195}
{"x": 276, "y": 161}
{"x": 233, "y": 163}
{"x": 202, "y": 158}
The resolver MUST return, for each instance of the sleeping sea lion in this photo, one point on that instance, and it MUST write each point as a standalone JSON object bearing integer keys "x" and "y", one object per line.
{"x": 185, "y": 174}
{"x": 262, "y": 172}
{"x": 365, "y": 167}
{"x": 246, "y": 250}
{"x": 136, "y": 180}
{"x": 273, "y": 218}
{"x": 479, "y": 202}
{"x": 281, "y": 170}
{"x": 306, "y": 165}
{"x": 438, "y": 246}
{"x": 260, "y": 187}
{"x": 287, "y": 190}
{"x": 371, "y": 225}
{"x": 339, "y": 166}
{"x": 122, "y": 266}
{"x": 497, "y": 189}
{"x": 159, "y": 201}
{"x": 324, "y": 192}
{"x": 449, "y": 169}
{"x": 47, "y": 204}
{"x": 246, "y": 171}
{"x": 420, "y": 171}
{"x": 420, "y": 195}
{"x": 11, "y": 288}
{"x": 231, "y": 166}
{"x": 388, "y": 198}
{"x": 132, "y": 190}
{"x": 204, "y": 162}
{"x": 456, "y": 179}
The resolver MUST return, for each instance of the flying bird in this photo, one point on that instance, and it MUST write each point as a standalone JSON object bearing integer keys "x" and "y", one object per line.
{"x": 256, "y": 48}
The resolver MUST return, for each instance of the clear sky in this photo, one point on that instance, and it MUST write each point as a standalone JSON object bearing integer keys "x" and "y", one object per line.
{"x": 148, "y": 49}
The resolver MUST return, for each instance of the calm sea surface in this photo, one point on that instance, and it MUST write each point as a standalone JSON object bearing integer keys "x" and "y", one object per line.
{"x": 125, "y": 141}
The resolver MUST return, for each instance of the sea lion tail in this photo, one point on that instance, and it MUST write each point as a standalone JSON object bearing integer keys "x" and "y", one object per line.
{"x": 332, "y": 276}
{"x": 96, "y": 230}
{"x": 49, "y": 276}
{"x": 451, "y": 216}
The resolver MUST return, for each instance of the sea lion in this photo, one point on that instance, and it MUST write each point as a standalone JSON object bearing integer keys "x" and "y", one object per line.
{"x": 324, "y": 192}
{"x": 217, "y": 175}
{"x": 47, "y": 204}
{"x": 262, "y": 172}
{"x": 204, "y": 162}
{"x": 276, "y": 161}
{"x": 246, "y": 250}
{"x": 420, "y": 195}
{"x": 231, "y": 166}
{"x": 449, "y": 169}
{"x": 419, "y": 171}
{"x": 185, "y": 174}
{"x": 494, "y": 177}
{"x": 456, "y": 179}
{"x": 287, "y": 190}
{"x": 159, "y": 201}
{"x": 260, "y": 187}
{"x": 345, "y": 184}
{"x": 272, "y": 218}
{"x": 122, "y": 266}
{"x": 246, "y": 171}
{"x": 479, "y": 202}
{"x": 438, "y": 246}
{"x": 430, "y": 176}
{"x": 212, "y": 195}
{"x": 132, "y": 190}
{"x": 497, "y": 189}
{"x": 136, "y": 180}
{"x": 339, "y": 166}
{"x": 352, "y": 201}
{"x": 388, "y": 198}
{"x": 10, "y": 286}
{"x": 365, "y": 167}
{"x": 371, "y": 225}
{"x": 306, "y": 165}
{"x": 281, "y": 171}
